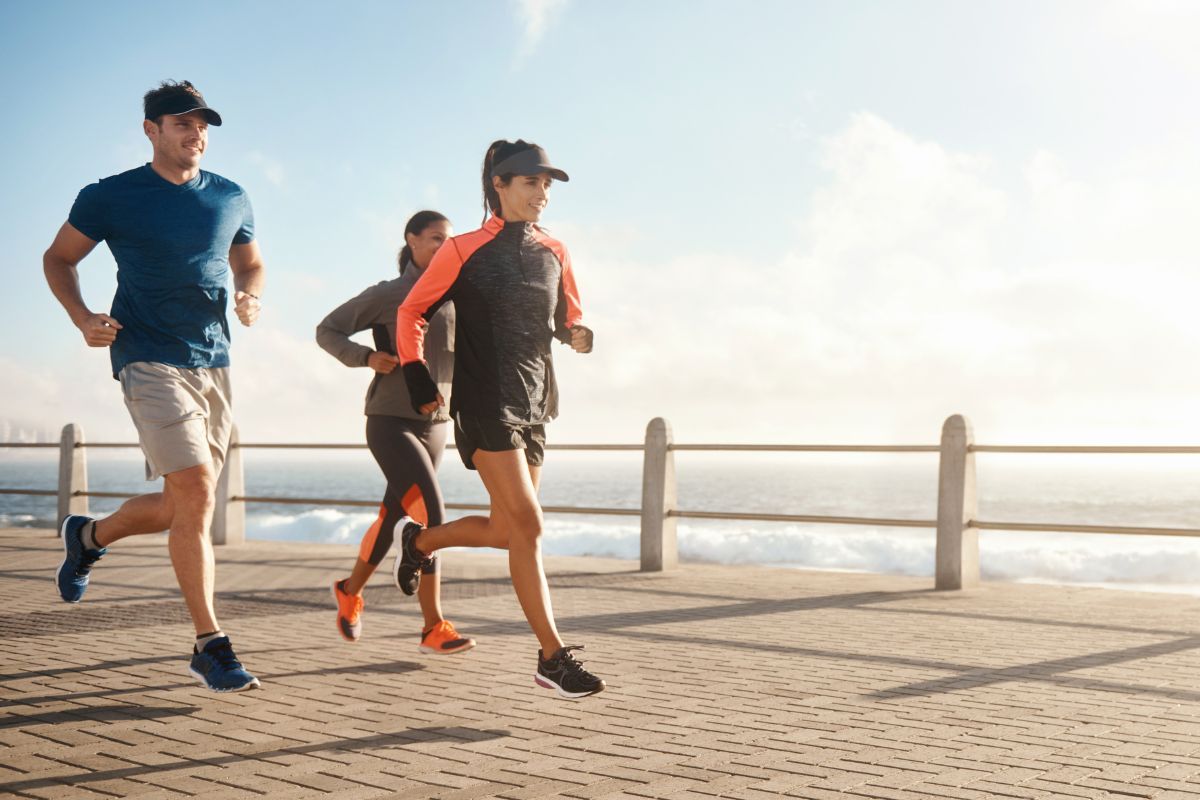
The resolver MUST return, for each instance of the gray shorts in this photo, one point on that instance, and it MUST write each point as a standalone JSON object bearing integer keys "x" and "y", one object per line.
{"x": 184, "y": 417}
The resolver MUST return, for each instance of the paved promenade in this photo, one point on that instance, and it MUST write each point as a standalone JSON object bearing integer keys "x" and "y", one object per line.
{"x": 736, "y": 682}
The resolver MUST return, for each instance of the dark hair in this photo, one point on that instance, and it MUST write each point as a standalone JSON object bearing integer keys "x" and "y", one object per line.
{"x": 417, "y": 224}
{"x": 498, "y": 151}
{"x": 164, "y": 90}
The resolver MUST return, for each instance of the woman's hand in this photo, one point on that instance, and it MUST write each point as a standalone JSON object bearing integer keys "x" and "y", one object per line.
{"x": 581, "y": 339}
{"x": 383, "y": 363}
{"x": 429, "y": 408}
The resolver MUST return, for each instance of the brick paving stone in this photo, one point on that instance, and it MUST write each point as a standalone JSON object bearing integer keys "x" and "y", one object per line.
{"x": 873, "y": 686}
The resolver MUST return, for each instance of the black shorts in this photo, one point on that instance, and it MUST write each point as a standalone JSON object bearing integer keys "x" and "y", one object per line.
{"x": 473, "y": 433}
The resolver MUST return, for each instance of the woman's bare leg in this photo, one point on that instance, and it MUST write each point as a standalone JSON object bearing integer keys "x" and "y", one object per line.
{"x": 515, "y": 523}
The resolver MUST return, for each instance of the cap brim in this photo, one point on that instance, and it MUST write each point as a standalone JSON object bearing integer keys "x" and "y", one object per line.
{"x": 538, "y": 169}
{"x": 212, "y": 116}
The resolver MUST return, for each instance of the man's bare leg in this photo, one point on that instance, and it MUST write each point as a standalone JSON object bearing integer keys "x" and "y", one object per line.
{"x": 146, "y": 513}
{"x": 193, "y": 496}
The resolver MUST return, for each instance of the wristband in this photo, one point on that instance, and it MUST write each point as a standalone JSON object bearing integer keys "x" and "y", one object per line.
{"x": 421, "y": 388}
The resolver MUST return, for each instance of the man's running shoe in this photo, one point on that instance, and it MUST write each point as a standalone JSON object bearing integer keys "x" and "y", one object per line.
{"x": 410, "y": 561}
{"x": 349, "y": 614}
{"x": 74, "y": 572}
{"x": 562, "y": 673}
{"x": 443, "y": 640}
{"x": 219, "y": 669}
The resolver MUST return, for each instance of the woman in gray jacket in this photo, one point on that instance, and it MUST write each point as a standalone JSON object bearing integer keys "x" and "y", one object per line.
{"x": 407, "y": 444}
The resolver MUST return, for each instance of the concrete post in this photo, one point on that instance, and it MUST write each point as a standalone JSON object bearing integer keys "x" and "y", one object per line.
{"x": 72, "y": 472}
{"x": 229, "y": 516}
{"x": 660, "y": 550}
{"x": 957, "y": 544}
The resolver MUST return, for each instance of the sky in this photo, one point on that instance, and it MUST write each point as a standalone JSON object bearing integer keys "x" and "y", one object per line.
{"x": 795, "y": 222}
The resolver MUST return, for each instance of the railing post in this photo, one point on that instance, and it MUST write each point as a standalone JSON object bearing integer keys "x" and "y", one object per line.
{"x": 660, "y": 550}
{"x": 957, "y": 564}
{"x": 72, "y": 472}
{"x": 229, "y": 516}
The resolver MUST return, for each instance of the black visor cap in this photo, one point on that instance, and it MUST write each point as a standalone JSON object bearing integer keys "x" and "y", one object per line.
{"x": 533, "y": 161}
{"x": 182, "y": 104}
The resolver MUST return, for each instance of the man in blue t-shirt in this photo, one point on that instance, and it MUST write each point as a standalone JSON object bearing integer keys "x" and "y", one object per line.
{"x": 176, "y": 233}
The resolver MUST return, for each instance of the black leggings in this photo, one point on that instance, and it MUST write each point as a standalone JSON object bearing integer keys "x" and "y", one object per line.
{"x": 408, "y": 452}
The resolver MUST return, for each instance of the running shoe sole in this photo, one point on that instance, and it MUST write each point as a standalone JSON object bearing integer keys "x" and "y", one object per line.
{"x": 436, "y": 652}
{"x": 62, "y": 537}
{"x": 546, "y": 683}
{"x": 254, "y": 684}
{"x": 396, "y": 571}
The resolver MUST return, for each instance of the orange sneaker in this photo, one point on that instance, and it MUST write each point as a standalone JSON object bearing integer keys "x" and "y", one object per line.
{"x": 443, "y": 640}
{"x": 349, "y": 616}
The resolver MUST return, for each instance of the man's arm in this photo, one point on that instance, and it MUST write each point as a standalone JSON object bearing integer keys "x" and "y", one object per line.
{"x": 59, "y": 264}
{"x": 249, "y": 277}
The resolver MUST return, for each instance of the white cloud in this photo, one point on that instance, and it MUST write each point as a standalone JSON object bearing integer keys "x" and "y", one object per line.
{"x": 270, "y": 168}
{"x": 919, "y": 288}
{"x": 1165, "y": 28}
{"x": 536, "y": 17}
{"x": 287, "y": 389}
{"x": 41, "y": 398}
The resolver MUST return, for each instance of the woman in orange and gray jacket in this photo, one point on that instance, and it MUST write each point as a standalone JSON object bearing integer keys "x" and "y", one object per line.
{"x": 514, "y": 291}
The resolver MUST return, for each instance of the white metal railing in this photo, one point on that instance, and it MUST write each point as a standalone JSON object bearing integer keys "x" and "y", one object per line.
{"x": 957, "y": 523}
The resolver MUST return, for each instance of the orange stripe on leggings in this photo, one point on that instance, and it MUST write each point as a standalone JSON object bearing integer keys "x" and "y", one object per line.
{"x": 372, "y": 534}
{"x": 414, "y": 505}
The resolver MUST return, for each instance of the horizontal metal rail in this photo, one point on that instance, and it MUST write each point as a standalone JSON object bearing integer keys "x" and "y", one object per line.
{"x": 335, "y": 446}
{"x": 733, "y": 515}
{"x": 993, "y": 448}
{"x": 1050, "y": 527}
{"x": 749, "y": 448}
{"x": 883, "y": 522}
{"x": 810, "y": 448}
{"x": 339, "y": 501}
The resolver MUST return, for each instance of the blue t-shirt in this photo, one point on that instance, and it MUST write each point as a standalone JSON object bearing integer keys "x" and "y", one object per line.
{"x": 171, "y": 244}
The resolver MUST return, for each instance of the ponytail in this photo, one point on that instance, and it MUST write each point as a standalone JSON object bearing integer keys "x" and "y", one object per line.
{"x": 491, "y": 198}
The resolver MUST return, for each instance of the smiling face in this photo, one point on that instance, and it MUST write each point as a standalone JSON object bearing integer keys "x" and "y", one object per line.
{"x": 424, "y": 244}
{"x": 179, "y": 141}
{"x": 524, "y": 198}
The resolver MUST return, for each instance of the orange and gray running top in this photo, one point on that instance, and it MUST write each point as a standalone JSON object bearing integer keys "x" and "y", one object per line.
{"x": 513, "y": 291}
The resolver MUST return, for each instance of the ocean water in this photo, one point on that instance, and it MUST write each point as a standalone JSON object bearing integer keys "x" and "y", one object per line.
{"x": 1156, "y": 491}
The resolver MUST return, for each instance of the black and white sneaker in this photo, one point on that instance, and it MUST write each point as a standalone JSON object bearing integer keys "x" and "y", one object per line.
{"x": 410, "y": 561}
{"x": 562, "y": 673}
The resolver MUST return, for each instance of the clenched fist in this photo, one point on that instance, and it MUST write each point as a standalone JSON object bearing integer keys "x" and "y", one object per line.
{"x": 246, "y": 307}
{"x": 99, "y": 330}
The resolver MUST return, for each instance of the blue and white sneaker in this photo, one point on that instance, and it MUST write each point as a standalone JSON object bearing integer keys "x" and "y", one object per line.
{"x": 219, "y": 669}
{"x": 74, "y": 572}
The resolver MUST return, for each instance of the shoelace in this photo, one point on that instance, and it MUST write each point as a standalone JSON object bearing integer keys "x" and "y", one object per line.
{"x": 85, "y": 563}
{"x": 423, "y": 561}
{"x": 356, "y": 601}
{"x": 223, "y": 655}
{"x": 569, "y": 663}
